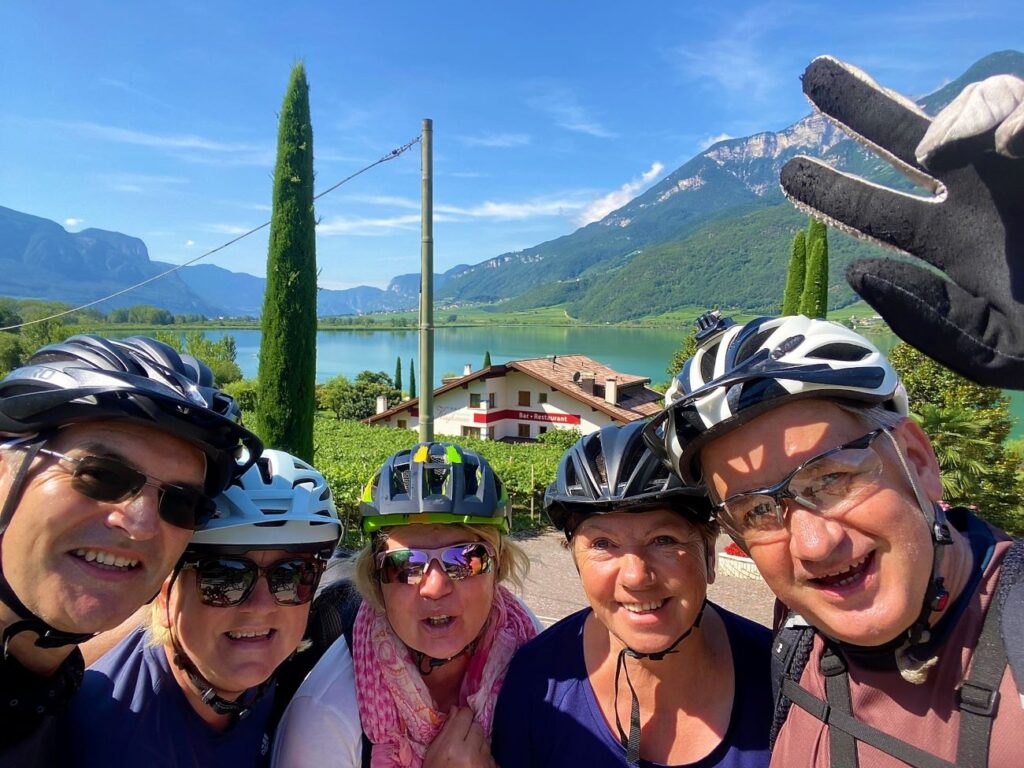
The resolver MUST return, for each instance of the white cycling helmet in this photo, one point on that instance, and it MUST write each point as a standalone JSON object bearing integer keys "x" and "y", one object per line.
{"x": 740, "y": 371}
{"x": 281, "y": 502}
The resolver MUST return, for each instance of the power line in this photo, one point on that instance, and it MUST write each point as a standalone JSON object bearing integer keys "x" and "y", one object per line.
{"x": 394, "y": 153}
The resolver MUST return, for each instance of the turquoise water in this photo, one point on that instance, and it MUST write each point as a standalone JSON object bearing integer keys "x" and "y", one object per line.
{"x": 645, "y": 352}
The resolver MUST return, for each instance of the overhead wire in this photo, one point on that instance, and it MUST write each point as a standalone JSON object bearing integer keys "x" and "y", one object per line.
{"x": 394, "y": 153}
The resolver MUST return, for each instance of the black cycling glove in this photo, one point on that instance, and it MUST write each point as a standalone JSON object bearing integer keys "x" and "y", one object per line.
{"x": 971, "y": 227}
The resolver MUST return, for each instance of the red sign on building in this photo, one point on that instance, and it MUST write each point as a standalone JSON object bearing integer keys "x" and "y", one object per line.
{"x": 508, "y": 413}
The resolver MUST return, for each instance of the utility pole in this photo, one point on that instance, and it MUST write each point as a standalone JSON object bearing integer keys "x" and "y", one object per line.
{"x": 426, "y": 422}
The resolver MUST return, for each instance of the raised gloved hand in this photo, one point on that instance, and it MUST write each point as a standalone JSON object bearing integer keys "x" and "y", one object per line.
{"x": 971, "y": 227}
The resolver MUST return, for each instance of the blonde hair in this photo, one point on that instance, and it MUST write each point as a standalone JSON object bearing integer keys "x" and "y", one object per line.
{"x": 513, "y": 564}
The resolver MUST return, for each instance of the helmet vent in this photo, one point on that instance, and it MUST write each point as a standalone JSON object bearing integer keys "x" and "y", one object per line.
{"x": 472, "y": 476}
{"x": 707, "y": 363}
{"x": 265, "y": 473}
{"x": 751, "y": 345}
{"x": 840, "y": 351}
{"x": 269, "y": 511}
{"x": 400, "y": 481}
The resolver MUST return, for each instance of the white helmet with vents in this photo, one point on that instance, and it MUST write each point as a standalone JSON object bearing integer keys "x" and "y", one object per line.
{"x": 741, "y": 371}
{"x": 281, "y": 502}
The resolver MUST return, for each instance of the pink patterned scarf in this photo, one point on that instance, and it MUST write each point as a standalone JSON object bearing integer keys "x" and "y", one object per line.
{"x": 396, "y": 709}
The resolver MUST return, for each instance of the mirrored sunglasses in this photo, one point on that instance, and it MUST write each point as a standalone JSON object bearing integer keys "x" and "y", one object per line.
{"x": 226, "y": 581}
{"x": 459, "y": 561}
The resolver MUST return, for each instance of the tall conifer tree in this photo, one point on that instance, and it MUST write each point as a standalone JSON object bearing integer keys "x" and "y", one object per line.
{"x": 398, "y": 373}
{"x": 795, "y": 275}
{"x": 815, "y": 299}
{"x": 412, "y": 378}
{"x": 487, "y": 359}
{"x": 287, "y": 369}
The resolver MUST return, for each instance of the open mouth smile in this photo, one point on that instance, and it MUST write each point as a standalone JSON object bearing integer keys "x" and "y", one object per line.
{"x": 641, "y": 608}
{"x": 847, "y": 576}
{"x": 106, "y": 560}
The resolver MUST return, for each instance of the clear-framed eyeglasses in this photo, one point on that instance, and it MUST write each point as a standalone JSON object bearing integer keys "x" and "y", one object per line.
{"x": 829, "y": 484}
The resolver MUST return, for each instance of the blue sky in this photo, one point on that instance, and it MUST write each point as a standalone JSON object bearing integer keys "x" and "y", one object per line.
{"x": 160, "y": 120}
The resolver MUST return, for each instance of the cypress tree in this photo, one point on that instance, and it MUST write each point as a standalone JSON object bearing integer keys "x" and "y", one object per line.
{"x": 487, "y": 359}
{"x": 814, "y": 302}
{"x": 287, "y": 369}
{"x": 795, "y": 275}
{"x": 412, "y": 378}
{"x": 398, "y": 373}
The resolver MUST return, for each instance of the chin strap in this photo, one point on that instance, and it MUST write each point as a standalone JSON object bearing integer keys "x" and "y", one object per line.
{"x": 49, "y": 636}
{"x": 632, "y": 741}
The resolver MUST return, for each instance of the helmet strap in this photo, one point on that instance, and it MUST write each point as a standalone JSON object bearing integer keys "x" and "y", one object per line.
{"x": 632, "y": 741}
{"x": 49, "y": 636}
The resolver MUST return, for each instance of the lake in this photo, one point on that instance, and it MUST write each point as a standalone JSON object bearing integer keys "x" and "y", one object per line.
{"x": 641, "y": 351}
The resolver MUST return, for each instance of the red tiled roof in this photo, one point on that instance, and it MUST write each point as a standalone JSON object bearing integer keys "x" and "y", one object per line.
{"x": 635, "y": 400}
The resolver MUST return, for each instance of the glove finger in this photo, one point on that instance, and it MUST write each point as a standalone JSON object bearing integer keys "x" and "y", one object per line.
{"x": 1010, "y": 135}
{"x": 962, "y": 331}
{"x": 889, "y": 123}
{"x": 865, "y": 210}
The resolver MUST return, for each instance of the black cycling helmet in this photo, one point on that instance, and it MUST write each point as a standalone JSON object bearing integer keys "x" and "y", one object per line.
{"x": 138, "y": 379}
{"x": 435, "y": 483}
{"x": 613, "y": 470}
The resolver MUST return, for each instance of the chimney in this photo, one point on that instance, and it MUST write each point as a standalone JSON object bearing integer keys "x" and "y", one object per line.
{"x": 611, "y": 390}
{"x": 587, "y": 382}
{"x": 382, "y": 403}
{"x": 467, "y": 369}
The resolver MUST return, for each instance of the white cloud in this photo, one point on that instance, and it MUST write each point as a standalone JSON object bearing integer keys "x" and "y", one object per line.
{"x": 139, "y": 182}
{"x": 497, "y": 140}
{"x": 710, "y": 140}
{"x": 389, "y": 200}
{"x": 512, "y": 210}
{"x": 226, "y": 229}
{"x": 368, "y": 227}
{"x": 73, "y": 222}
{"x": 564, "y": 108}
{"x": 601, "y": 207}
{"x": 190, "y": 243}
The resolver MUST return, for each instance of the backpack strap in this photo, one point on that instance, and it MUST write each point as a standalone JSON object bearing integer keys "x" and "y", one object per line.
{"x": 791, "y": 648}
{"x": 842, "y": 746}
{"x": 978, "y": 695}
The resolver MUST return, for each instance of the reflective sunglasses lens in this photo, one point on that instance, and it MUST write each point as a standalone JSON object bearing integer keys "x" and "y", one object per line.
{"x": 293, "y": 582}
{"x": 402, "y": 566}
{"x": 105, "y": 479}
{"x": 225, "y": 581}
{"x": 465, "y": 560}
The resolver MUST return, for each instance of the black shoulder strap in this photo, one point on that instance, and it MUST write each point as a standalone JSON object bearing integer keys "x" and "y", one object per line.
{"x": 978, "y": 696}
{"x": 791, "y": 648}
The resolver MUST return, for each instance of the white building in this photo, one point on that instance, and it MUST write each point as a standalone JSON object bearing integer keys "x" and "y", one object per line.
{"x": 522, "y": 399}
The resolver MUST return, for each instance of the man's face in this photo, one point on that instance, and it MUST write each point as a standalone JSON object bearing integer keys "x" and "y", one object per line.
{"x": 861, "y": 576}
{"x": 84, "y": 565}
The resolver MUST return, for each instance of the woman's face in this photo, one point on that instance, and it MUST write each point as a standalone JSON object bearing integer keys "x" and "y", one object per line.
{"x": 236, "y": 647}
{"x": 645, "y": 575}
{"x": 439, "y": 616}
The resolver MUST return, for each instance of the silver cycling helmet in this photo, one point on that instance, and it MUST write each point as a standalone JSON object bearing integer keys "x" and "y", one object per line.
{"x": 740, "y": 371}
{"x": 281, "y": 502}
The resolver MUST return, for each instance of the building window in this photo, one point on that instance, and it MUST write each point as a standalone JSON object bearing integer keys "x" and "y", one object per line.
{"x": 471, "y": 432}
{"x": 403, "y": 424}
{"x": 490, "y": 433}
{"x": 541, "y": 430}
{"x": 524, "y": 397}
{"x": 524, "y": 430}
{"x": 490, "y": 399}
{"x": 474, "y": 400}
{"x": 542, "y": 397}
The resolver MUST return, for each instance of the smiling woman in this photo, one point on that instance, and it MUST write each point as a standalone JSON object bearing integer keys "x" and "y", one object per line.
{"x": 197, "y": 686}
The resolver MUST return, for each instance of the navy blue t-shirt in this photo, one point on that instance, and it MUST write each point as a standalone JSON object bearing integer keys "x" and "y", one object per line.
{"x": 547, "y": 712}
{"x": 132, "y": 712}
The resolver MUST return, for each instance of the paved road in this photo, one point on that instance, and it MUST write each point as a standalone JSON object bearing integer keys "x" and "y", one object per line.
{"x": 553, "y": 586}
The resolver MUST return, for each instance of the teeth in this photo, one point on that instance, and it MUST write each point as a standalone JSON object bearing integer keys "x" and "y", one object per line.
{"x": 105, "y": 558}
{"x": 848, "y": 569}
{"x": 439, "y": 620}
{"x": 642, "y": 607}
{"x": 248, "y": 633}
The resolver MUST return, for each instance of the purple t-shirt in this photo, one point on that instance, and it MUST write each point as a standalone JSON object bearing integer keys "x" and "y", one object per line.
{"x": 131, "y": 712}
{"x": 547, "y": 712}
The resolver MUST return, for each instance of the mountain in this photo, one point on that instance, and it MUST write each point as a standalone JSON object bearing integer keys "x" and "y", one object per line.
{"x": 715, "y": 231}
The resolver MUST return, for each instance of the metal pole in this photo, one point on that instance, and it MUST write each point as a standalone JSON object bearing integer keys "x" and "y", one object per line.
{"x": 426, "y": 422}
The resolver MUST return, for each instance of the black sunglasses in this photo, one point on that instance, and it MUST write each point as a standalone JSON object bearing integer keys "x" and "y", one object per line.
{"x": 106, "y": 479}
{"x": 225, "y": 581}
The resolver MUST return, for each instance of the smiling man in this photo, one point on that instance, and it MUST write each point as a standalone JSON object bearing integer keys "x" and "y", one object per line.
{"x": 109, "y": 453}
{"x": 799, "y": 428}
